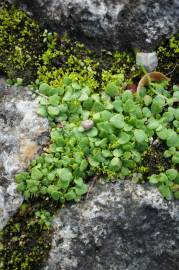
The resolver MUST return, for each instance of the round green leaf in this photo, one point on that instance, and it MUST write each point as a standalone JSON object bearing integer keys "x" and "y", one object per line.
{"x": 140, "y": 135}
{"x": 117, "y": 121}
{"x": 53, "y": 111}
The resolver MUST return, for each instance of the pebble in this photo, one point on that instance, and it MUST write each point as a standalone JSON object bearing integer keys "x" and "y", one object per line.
{"x": 87, "y": 124}
{"x": 148, "y": 60}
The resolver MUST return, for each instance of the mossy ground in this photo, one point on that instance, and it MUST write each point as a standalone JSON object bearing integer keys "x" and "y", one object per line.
{"x": 168, "y": 56}
{"x": 21, "y": 43}
{"x": 30, "y": 53}
{"x": 25, "y": 241}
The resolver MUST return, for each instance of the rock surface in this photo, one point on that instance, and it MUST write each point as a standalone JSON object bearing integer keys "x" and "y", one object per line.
{"x": 110, "y": 24}
{"x": 122, "y": 226}
{"x": 22, "y": 135}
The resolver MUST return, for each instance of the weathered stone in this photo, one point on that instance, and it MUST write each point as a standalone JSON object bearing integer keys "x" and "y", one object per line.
{"x": 22, "y": 135}
{"x": 122, "y": 226}
{"x": 110, "y": 24}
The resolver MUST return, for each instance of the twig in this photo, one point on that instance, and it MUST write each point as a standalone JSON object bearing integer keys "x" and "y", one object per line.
{"x": 90, "y": 189}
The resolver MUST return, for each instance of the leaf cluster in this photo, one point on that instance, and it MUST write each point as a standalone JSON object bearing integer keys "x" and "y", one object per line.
{"x": 124, "y": 125}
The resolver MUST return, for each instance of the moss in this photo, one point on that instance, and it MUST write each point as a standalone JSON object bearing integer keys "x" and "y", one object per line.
{"x": 26, "y": 51}
{"x": 168, "y": 55}
{"x": 25, "y": 241}
{"x": 153, "y": 161}
{"x": 64, "y": 58}
{"x": 21, "y": 43}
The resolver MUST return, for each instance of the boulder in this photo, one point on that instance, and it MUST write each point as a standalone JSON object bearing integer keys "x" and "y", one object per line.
{"x": 110, "y": 24}
{"x": 121, "y": 226}
{"x": 22, "y": 136}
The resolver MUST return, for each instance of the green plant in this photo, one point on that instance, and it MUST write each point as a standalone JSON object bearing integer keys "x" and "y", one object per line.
{"x": 124, "y": 125}
{"x": 167, "y": 182}
{"x": 44, "y": 218}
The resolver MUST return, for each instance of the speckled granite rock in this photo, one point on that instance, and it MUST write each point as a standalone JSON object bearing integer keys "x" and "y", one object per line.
{"x": 122, "y": 226}
{"x": 22, "y": 135}
{"x": 111, "y": 24}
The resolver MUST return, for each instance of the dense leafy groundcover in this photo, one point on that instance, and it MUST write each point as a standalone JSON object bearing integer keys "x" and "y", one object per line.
{"x": 124, "y": 127}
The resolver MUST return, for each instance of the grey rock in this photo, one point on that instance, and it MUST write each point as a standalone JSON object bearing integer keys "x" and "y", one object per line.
{"x": 110, "y": 24}
{"x": 121, "y": 226}
{"x": 147, "y": 60}
{"x": 22, "y": 136}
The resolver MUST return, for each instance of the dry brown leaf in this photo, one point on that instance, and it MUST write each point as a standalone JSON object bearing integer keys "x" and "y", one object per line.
{"x": 149, "y": 77}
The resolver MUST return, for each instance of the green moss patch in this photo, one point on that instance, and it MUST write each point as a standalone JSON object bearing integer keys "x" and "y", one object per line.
{"x": 168, "y": 55}
{"x": 21, "y": 43}
{"x": 26, "y": 240}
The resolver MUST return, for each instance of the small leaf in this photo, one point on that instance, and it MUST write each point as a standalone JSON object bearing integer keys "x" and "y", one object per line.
{"x": 172, "y": 174}
{"x": 127, "y": 95}
{"x": 176, "y": 194}
{"x": 117, "y": 121}
{"x": 175, "y": 158}
{"x": 54, "y": 100}
{"x": 83, "y": 165}
{"x": 64, "y": 174}
{"x": 67, "y": 81}
{"x": 165, "y": 191}
{"x": 162, "y": 134}
{"x": 153, "y": 124}
{"x": 115, "y": 164}
{"x": 42, "y": 111}
{"x": 21, "y": 187}
{"x": 21, "y": 177}
{"x": 124, "y": 138}
{"x": 70, "y": 195}
{"x": 98, "y": 107}
{"x": 176, "y": 113}
{"x": 55, "y": 195}
{"x": 118, "y": 105}
{"x": 140, "y": 135}
{"x": 147, "y": 113}
{"x": 53, "y": 111}
{"x": 51, "y": 176}
{"x": 81, "y": 190}
{"x": 44, "y": 88}
{"x": 112, "y": 89}
{"x": 36, "y": 174}
{"x": 153, "y": 179}
{"x": 106, "y": 153}
{"x": 147, "y": 100}
{"x": 63, "y": 183}
{"x": 92, "y": 132}
{"x": 173, "y": 140}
